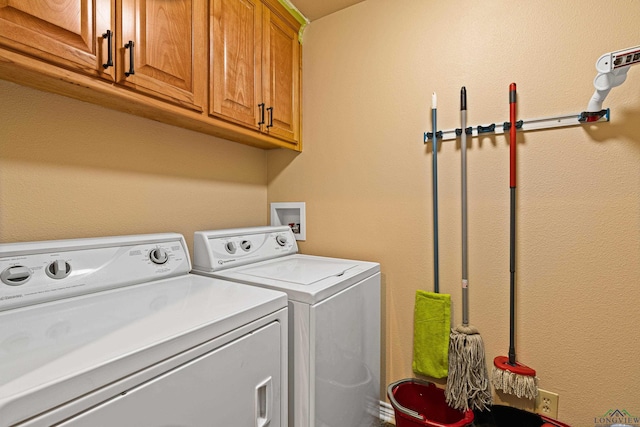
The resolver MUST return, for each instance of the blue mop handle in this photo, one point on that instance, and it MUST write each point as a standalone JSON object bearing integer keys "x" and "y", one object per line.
{"x": 436, "y": 275}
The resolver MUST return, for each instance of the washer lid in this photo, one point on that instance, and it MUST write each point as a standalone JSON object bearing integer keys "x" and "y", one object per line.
{"x": 55, "y": 352}
{"x": 300, "y": 271}
{"x": 305, "y": 278}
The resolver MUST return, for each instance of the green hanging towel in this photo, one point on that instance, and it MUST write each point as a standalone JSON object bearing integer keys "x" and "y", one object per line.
{"x": 431, "y": 328}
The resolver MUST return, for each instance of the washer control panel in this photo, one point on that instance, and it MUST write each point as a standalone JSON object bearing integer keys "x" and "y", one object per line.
{"x": 221, "y": 249}
{"x": 32, "y": 273}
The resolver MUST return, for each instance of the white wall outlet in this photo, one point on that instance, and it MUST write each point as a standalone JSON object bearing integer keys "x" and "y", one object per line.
{"x": 547, "y": 404}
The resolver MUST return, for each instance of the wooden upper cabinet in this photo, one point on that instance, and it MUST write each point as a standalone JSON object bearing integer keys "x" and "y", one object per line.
{"x": 66, "y": 33}
{"x": 281, "y": 78}
{"x": 230, "y": 68}
{"x": 255, "y": 67}
{"x": 236, "y": 55}
{"x": 167, "y": 41}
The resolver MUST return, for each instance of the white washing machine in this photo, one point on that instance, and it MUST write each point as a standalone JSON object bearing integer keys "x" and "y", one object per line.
{"x": 334, "y": 312}
{"x": 116, "y": 332}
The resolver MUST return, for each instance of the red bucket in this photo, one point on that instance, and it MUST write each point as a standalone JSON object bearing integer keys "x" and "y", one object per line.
{"x": 418, "y": 403}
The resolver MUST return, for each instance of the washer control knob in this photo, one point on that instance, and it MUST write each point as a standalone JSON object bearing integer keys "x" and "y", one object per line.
{"x": 58, "y": 269}
{"x": 16, "y": 275}
{"x": 245, "y": 245}
{"x": 158, "y": 256}
{"x": 230, "y": 247}
{"x": 281, "y": 239}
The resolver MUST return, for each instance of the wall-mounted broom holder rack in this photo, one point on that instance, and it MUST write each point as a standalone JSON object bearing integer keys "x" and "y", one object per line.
{"x": 523, "y": 125}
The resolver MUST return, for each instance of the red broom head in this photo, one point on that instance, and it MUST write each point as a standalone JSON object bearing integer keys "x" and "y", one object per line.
{"x": 502, "y": 362}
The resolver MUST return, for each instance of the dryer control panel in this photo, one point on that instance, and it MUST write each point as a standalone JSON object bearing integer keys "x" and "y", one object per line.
{"x": 37, "y": 272}
{"x": 220, "y": 249}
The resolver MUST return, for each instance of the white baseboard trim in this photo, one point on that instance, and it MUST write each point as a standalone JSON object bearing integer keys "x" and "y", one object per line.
{"x": 386, "y": 413}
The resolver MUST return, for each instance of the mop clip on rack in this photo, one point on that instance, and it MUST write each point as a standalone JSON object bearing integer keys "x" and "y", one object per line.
{"x": 523, "y": 125}
{"x": 469, "y": 130}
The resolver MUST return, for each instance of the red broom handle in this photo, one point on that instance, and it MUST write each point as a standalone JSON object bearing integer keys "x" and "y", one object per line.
{"x": 512, "y": 226}
{"x": 512, "y": 135}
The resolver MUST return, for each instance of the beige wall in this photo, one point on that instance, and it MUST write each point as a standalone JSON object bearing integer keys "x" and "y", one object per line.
{"x": 70, "y": 169}
{"x": 366, "y": 178}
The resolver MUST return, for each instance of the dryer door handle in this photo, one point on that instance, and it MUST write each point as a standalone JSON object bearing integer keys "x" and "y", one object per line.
{"x": 264, "y": 403}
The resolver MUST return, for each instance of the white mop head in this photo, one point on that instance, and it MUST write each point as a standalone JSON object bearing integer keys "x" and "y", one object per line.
{"x": 516, "y": 384}
{"x": 468, "y": 381}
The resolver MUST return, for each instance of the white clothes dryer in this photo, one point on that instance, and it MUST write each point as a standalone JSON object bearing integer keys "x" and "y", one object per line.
{"x": 334, "y": 312}
{"x": 116, "y": 332}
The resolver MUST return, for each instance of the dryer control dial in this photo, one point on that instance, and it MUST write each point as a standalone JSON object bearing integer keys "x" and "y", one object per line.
{"x": 158, "y": 256}
{"x": 16, "y": 275}
{"x": 281, "y": 239}
{"x": 58, "y": 269}
{"x": 230, "y": 247}
{"x": 245, "y": 245}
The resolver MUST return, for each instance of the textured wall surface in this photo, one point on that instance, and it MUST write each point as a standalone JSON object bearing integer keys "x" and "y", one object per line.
{"x": 70, "y": 169}
{"x": 365, "y": 175}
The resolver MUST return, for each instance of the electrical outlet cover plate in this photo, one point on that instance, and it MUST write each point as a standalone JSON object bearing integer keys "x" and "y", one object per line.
{"x": 547, "y": 404}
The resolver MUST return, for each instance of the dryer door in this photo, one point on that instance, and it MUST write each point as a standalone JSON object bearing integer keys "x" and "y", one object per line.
{"x": 237, "y": 384}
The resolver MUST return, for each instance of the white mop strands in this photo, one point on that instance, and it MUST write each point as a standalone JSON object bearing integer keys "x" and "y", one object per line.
{"x": 513, "y": 383}
{"x": 468, "y": 381}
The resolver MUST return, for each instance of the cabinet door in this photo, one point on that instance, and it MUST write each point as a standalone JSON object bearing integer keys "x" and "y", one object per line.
{"x": 67, "y": 33}
{"x": 281, "y": 77}
{"x": 236, "y": 57}
{"x": 169, "y": 42}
